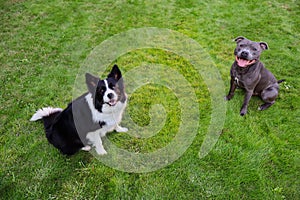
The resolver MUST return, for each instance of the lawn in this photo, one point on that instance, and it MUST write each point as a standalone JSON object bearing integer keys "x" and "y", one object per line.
{"x": 47, "y": 46}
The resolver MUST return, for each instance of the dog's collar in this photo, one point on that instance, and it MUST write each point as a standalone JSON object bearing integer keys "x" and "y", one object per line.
{"x": 102, "y": 123}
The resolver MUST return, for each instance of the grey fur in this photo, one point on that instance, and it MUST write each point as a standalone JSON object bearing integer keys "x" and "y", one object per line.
{"x": 249, "y": 73}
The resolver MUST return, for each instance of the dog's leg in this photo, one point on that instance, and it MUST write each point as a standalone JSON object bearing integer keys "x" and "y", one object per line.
{"x": 265, "y": 106}
{"x": 268, "y": 96}
{"x": 98, "y": 146}
{"x": 95, "y": 139}
{"x": 120, "y": 129}
{"x": 231, "y": 90}
{"x": 247, "y": 98}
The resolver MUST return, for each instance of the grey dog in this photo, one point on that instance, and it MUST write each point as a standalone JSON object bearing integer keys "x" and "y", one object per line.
{"x": 249, "y": 73}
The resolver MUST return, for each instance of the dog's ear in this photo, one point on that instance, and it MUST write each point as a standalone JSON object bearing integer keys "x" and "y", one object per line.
{"x": 115, "y": 73}
{"x": 264, "y": 45}
{"x": 238, "y": 39}
{"x": 91, "y": 82}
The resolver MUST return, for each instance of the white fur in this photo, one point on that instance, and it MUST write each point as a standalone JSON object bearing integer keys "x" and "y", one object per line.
{"x": 44, "y": 112}
{"x": 108, "y": 90}
{"x": 95, "y": 139}
{"x": 111, "y": 115}
{"x": 120, "y": 129}
{"x": 86, "y": 148}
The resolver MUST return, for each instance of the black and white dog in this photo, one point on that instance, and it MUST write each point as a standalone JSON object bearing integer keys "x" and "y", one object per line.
{"x": 87, "y": 118}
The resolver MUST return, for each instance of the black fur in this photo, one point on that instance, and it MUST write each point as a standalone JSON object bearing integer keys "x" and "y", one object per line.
{"x": 61, "y": 130}
{"x": 67, "y": 129}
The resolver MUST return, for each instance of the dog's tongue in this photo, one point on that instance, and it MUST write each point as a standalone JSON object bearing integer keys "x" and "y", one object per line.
{"x": 244, "y": 63}
{"x": 112, "y": 102}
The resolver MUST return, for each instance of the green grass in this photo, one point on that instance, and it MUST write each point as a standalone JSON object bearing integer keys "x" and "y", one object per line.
{"x": 42, "y": 47}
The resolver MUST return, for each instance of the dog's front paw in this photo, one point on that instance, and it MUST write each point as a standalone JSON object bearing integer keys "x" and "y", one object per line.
{"x": 101, "y": 151}
{"x": 228, "y": 97}
{"x": 243, "y": 112}
{"x": 120, "y": 129}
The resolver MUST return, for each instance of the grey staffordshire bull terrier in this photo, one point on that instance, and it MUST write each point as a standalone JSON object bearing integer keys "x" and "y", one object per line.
{"x": 249, "y": 73}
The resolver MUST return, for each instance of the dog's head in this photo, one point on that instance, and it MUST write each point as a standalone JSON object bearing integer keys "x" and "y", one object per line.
{"x": 109, "y": 91}
{"x": 248, "y": 52}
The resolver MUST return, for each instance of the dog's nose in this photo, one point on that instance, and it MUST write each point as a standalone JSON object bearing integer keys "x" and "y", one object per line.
{"x": 244, "y": 54}
{"x": 110, "y": 95}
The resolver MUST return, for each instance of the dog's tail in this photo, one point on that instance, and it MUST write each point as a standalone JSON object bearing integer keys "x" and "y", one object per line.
{"x": 45, "y": 112}
{"x": 280, "y": 81}
{"x": 48, "y": 114}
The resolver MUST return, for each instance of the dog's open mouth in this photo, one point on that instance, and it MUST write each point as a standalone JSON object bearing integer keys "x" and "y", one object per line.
{"x": 112, "y": 102}
{"x": 244, "y": 63}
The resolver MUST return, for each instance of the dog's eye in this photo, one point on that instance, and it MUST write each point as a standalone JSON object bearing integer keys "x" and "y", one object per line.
{"x": 102, "y": 90}
{"x": 112, "y": 86}
{"x": 242, "y": 45}
{"x": 254, "y": 49}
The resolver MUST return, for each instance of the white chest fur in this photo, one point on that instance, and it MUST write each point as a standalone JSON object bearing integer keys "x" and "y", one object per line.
{"x": 111, "y": 115}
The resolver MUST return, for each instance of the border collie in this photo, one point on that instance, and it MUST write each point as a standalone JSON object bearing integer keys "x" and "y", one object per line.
{"x": 87, "y": 118}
